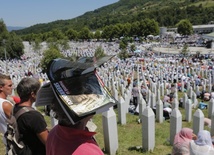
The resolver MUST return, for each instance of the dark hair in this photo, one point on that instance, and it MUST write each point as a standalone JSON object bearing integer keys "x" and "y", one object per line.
{"x": 59, "y": 113}
{"x": 26, "y": 86}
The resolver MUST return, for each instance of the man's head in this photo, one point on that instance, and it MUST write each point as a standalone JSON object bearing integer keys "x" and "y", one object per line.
{"x": 6, "y": 85}
{"x": 27, "y": 88}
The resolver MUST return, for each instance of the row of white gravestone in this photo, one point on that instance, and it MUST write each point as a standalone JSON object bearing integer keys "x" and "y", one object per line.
{"x": 146, "y": 113}
{"x": 147, "y": 116}
{"x": 197, "y": 124}
{"x": 31, "y": 59}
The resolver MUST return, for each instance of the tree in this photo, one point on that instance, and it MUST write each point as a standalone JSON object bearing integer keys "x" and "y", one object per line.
{"x": 48, "y": 55}
{"x": 135, "y": 29}
{"x": 116, "y": 32}
{"x": 185, "y": 50}
{"x": 127, "y": 29}
{"x": 14, "y": 46}
{"x": 123, "y": 54}
{"x": 56, "y": 34}
{"x": 97, "y": 35}
{"x": 57, "y": 39}
{"x": 71, "y": 34}
{"x": 149, "y": 27}
{"x": 4, "y": 35}
{"x": 37, "y": 45}
{"x": 84, "y": 34}
{"x": 124, "y": 43}
{"x": 99, "y": 52}
{"x": 63, "y": 44}
{"x": 108, "y": 32}
{"x": 120, "y": 29}
{"x": 184, "y": 27}
{"x": 132, "y": 47}
{"x": 11, "y": 45}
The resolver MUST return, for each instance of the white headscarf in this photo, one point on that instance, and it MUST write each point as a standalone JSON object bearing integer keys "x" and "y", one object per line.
{"x": 204, "y": 138}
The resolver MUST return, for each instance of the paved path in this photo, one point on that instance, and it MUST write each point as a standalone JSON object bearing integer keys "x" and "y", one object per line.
{"x": 192, "y": 50}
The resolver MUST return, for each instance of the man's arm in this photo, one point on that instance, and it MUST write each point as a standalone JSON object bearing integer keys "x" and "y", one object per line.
{"x": 7, "y": 107}
{"x": 43, "y": 136}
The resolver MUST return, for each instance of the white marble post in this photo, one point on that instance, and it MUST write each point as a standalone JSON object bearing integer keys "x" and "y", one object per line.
{"x": 122, "y": 111}
{"x": 148, "y": 129}
{"x": 185, "y": 98}
{"x": 198, "y": 121}
{"x": 210, "y": 107}
{"x": 212, "y": 125}
{"x": 175, "y": 124}
{"x": 142, "y": 106}
{"x": 188, "y": 111}
{"x": 159, "y": 111}
{"x": 110, "y": 131}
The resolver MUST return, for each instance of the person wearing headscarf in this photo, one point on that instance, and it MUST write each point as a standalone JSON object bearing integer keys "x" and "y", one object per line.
{"x": 182, "y": 140}
{"x": 203, "y": 145}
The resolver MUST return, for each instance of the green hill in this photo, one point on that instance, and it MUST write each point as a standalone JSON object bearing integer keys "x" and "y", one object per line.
{"x": 165, "y": 12}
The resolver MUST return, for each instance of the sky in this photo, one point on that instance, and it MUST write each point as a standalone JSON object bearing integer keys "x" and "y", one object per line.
{"x": 25, "y": 13}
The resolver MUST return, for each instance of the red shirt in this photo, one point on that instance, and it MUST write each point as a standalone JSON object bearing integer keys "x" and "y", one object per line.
{"x": 179, "y": 84}
{"x": 69, "y": 141}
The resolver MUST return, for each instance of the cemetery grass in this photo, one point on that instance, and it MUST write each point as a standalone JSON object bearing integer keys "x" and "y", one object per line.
{"x": 130, "y": 135}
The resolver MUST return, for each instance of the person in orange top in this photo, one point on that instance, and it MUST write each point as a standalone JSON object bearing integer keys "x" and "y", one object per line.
{"x": 129, "y": 81}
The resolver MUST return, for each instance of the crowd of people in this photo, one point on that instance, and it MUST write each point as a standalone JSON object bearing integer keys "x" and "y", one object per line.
{"x": 64, "y": 138}
{"x": 172, "y": 71}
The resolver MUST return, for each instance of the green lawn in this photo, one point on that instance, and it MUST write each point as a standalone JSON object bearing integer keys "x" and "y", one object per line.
{"x": 130, "y": 135}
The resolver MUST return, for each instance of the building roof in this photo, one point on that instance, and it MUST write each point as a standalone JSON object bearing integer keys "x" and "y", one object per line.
{"x": 209, "y": 36}
{"x": 203, "y": 26}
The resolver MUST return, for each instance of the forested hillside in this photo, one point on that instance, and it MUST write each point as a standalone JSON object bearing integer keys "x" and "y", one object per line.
{"x": 166, "y": 12}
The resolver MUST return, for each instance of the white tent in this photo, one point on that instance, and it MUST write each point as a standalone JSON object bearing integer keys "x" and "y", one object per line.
{"x": 137, "y": 51}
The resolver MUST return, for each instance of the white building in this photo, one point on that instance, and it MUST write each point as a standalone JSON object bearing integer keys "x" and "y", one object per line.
{"x": 198, "y": 29}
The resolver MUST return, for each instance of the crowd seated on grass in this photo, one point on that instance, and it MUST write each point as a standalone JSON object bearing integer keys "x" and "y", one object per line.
{"x": 167, "y": 107}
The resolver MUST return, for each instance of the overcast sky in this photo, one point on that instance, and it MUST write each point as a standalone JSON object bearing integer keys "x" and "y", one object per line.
{"x": 25, "y": 13}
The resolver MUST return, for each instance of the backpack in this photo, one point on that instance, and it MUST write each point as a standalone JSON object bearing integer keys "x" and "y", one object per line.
{"x": 15, "y": 145}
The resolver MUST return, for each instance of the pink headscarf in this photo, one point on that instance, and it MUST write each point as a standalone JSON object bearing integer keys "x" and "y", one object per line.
{"x": 185, "y": 135}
